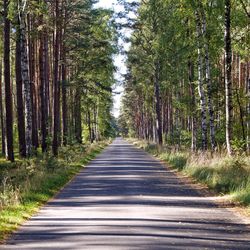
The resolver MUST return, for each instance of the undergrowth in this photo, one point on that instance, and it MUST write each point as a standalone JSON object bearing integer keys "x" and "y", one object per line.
{"x": 27, "y": 184}
{"x": 221, "y": 173}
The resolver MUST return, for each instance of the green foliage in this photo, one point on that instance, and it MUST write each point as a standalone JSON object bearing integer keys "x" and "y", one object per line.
{"x": 177, "y": 160}
{"x": 165, "y": 33}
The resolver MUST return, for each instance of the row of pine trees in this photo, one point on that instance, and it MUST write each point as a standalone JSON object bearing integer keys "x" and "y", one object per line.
{"x": 56, "y": 73}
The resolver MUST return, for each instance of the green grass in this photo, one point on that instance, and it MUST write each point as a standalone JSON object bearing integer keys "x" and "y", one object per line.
{"x": 220, "y": 173}
{"x": 28, "y": 184}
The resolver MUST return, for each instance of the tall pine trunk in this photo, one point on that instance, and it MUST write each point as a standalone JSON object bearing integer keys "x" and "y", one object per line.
{"x": 157, "y": 104}
{"x": 248, "y": 112}
{"x": 2, "y": 112}
{"x": 56, "y": 105}
{"x": 78, "y": 120}
{"x": 43, "y": 96}
{"x": 64, "y": 89}
{"x": 19, "y": 96}
{"x": 8, "y": 93}
{"x": 228, "y": 77}
{"x": 32, "y": 73}
{"x": 26, "y": 82}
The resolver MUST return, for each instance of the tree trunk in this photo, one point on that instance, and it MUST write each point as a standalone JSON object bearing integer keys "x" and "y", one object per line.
{"x": 2, "y": 112}
{"x": 78, "y": 120}
{"x": 46, "y": 80}
{"x": 248, "y": 111}
{"x": 32, "y": 74}
{"x": 8, "y": 93}
{"x": 228, "y": 78}
{"x": 208, "y": 78}
{"x": 56, "y": 83}
{"x": 26, "y": 83}
{"x": 43, "y": 96}
{"x": 193, "y": 106}
{"x": 89, "y": 126}
{"x": 64, "y": 94}
{"x": 200, "y": 85}
{"x": 19, "y": 95}
{"x": 157, "y": 104}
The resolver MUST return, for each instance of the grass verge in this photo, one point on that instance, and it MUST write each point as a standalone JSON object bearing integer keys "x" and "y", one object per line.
{"x": 223, "y": 174}
{"x": 28, "y": 184}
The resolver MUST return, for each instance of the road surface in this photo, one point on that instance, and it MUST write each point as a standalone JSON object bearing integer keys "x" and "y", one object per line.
{"x": 125, "y": 199}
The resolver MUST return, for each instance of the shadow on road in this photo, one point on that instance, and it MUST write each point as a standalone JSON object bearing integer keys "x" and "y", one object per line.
{"x": 126, "y": 200}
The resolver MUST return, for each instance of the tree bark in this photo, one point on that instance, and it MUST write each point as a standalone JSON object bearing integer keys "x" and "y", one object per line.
{"x": 78, "y": 120}
{"x": 193, "y": 106}
{"x": 248, "y": 109}
{"x": 64, "y": 87}
{"x": 26, "y": 83}
{"x": 32, "y": 75}
{"x": 89, "y": 126}
{"x": 208, "y": 78}
{"x": 8, "y": 93}
{"x": 157, "y": 104}
{"x": 2, "y": 112}
{"x": 19, "y": 95}
{"x": 228, "y": 78}
{"x": 200, "y": 85}
{"x": 56, "y": 83}
{"x": 43, "y": 96}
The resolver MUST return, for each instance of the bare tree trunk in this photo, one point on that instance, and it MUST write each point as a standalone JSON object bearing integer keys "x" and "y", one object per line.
{"x": 200, "y": 85}
{"x": 248, "y": 110}
{"x": 64, "y": 105}
{"x": 78, "y": 120}
{"x": 8, "y": 94}
{"x": 19, "y": 94}
{"x": 56, "y": 83}
{"x": 43, "y": 95}
{"x": 157, "y": 104}
{"x": 46, "y": 80}
{"x": 97, "y": 123}
{"x": 241, "y": 117}
{"x": 64, "y": 83}
{"x": 208, "y": 78}
{"x": 2, "y": 112}
{"x": 26, "y": 83}
{"x": 32, "y": 73}
{"x": 193, "y": 106}
{"x": 89, "y": 126}
{"x": 228, "y": 77}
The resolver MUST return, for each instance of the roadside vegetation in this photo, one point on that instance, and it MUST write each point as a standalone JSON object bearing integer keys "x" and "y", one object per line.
{"x": 27, "y": 184}
{"x": 56, "y": 88}
{"x": 187, "y": 90}
{"x": 219, "y": 172}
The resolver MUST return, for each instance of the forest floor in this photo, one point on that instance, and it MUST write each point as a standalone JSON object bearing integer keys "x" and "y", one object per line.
{"x": 27, "y": 184}
{"x": 126, "y": 199}
{"x": 217, "y": 173}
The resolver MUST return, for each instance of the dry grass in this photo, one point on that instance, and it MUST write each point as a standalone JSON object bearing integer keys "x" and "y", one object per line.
{"x": 221, "y": 173}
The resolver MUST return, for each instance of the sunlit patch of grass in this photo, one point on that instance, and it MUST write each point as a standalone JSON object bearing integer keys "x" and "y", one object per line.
{"x": 27, "y": 184}
{"x": 177, "y": 160}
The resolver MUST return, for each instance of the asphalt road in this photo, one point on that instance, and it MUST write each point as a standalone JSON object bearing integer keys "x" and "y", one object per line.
{"x": 124, "y": 199}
